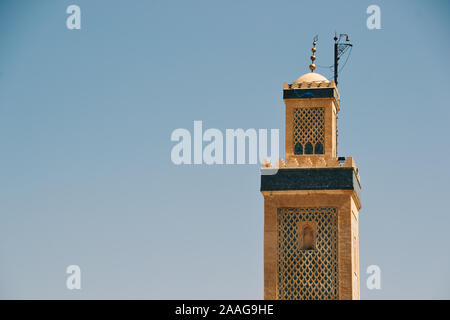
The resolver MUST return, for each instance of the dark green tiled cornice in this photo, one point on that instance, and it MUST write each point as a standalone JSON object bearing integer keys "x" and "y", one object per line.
{"x": 312, "y": 179}
{"x": 308, "y": 93}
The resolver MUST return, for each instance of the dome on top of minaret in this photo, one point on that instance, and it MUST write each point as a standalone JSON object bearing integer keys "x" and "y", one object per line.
{"x": 311, "y": 77}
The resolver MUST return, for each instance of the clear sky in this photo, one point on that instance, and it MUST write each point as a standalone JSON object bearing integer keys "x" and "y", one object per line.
{"x": 86, "y": 118}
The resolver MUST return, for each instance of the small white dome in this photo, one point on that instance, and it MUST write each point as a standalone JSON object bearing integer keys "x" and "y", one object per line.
{"x": 311, "y": 77}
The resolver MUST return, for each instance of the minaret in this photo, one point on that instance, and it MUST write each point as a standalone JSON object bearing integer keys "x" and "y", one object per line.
{"x": 312, "y": 202}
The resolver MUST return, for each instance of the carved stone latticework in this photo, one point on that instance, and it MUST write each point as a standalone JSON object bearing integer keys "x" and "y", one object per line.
{"x": 307, "y": 269}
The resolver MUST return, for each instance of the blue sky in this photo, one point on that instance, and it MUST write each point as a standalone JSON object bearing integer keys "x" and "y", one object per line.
{"x": 85, "y": 123}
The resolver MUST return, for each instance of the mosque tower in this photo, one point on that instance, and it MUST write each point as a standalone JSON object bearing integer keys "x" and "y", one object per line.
{"x": 311, "y": 201}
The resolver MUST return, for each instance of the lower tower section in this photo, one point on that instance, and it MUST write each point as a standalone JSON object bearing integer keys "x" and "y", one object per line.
{"x": 311, "y": 232}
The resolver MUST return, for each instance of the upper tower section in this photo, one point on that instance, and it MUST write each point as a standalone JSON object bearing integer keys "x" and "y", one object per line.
{"x": 312, "y": 105}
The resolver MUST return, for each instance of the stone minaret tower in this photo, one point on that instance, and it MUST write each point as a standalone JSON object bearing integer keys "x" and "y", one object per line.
{"x": 311, "y": 201}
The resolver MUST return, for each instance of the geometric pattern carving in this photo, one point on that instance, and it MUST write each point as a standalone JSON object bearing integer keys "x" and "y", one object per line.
{"x": 309, "y": 130}
{"x": 307, "y": 274}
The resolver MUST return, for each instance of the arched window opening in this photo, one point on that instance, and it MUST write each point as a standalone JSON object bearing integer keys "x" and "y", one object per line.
{"x": 298, "y": 149}
{"x": 318, "y": 148}
{"x": 309, "y": 148}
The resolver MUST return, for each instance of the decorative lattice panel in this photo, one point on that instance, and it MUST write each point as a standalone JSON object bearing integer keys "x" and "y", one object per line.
{"x": 309, "y": 130}
{"x": 307, "y": 274}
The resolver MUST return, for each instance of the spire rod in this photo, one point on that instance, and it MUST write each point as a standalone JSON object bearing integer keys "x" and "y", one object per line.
{"x": 312, "y": 66}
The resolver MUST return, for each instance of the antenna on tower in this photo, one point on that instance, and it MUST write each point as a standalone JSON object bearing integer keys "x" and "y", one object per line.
{"x": 340, "y": 47}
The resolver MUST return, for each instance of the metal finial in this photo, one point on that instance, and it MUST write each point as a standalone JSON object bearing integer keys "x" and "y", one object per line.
{"x": 312, "y": 66}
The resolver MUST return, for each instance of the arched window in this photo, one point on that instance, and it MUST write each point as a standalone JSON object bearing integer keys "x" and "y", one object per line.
{"x": 308, "y": 148}
{"x": 298, "y": 149}
{"x": 318, "y": 148}
{"x": 306, "y": 235}
{"x": 308, "y": 241}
